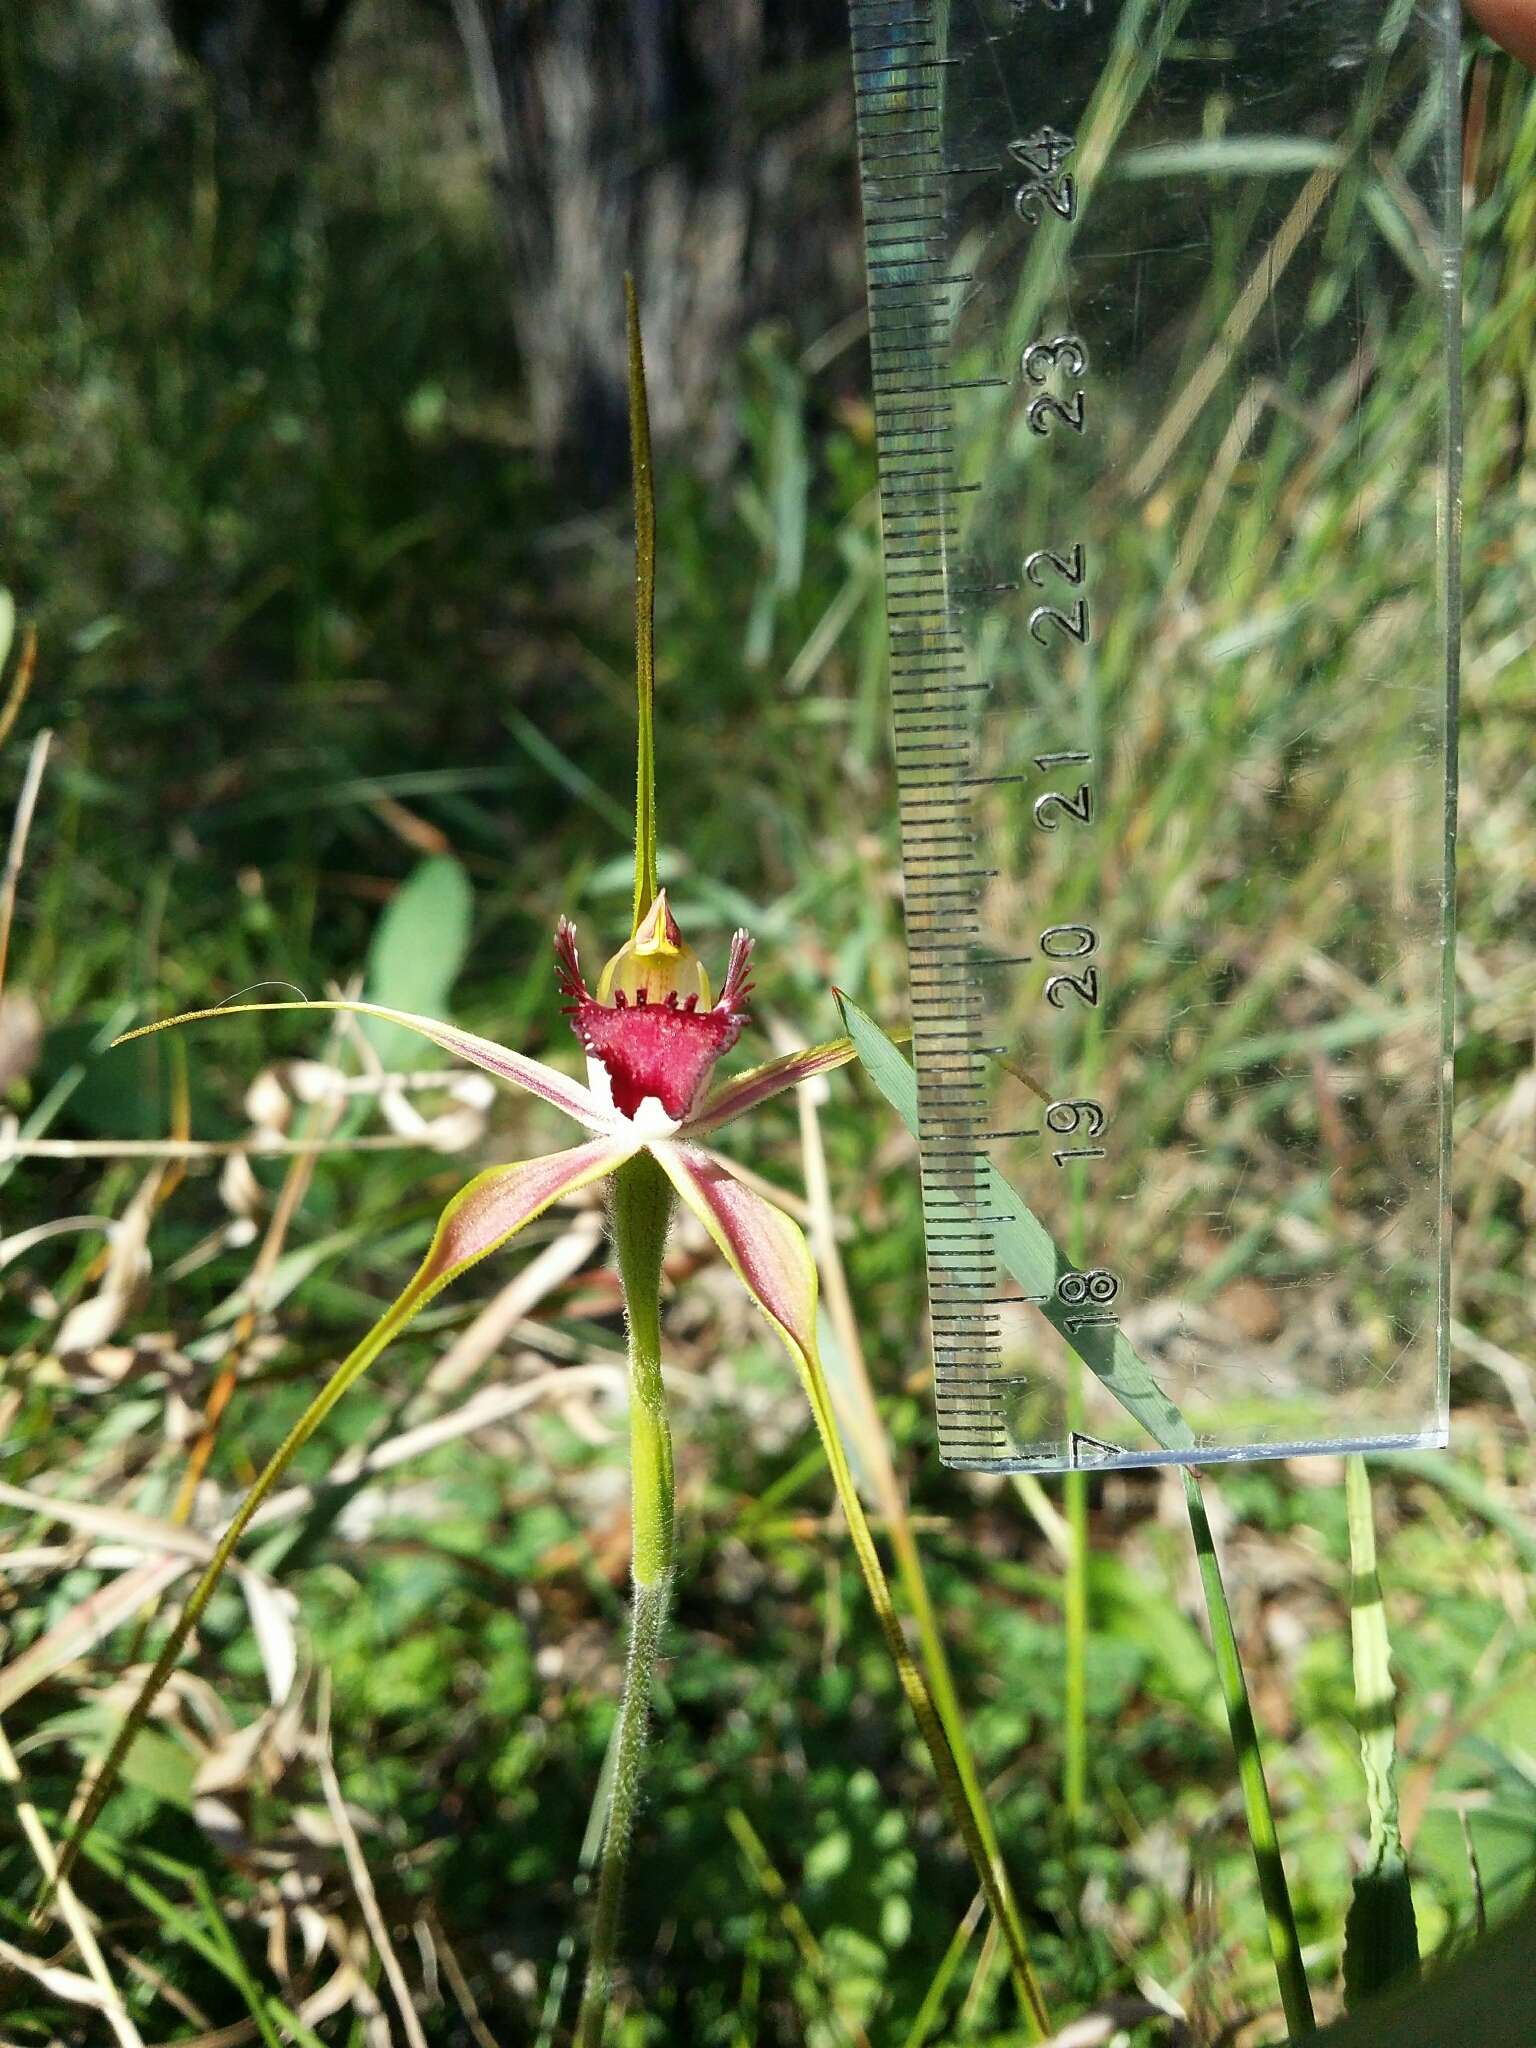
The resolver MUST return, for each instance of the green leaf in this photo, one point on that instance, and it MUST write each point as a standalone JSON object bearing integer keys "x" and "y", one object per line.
{"x": 155, "y": 1763}
{"x": 418, "y": 948}
{"x": 1485, "y": 1999}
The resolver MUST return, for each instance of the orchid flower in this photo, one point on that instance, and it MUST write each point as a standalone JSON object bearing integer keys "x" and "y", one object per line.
{"x": 652, "y": 1032}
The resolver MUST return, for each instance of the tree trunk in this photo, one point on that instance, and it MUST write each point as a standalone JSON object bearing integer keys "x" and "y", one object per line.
{"x": 675, "y": 139}
{"x": 264, "y": 60}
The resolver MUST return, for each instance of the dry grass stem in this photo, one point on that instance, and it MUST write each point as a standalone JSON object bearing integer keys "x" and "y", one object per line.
{"x": 108, "y": 1999}
{"x": 16, "y": 852}
{"x": 362, "y": 1880}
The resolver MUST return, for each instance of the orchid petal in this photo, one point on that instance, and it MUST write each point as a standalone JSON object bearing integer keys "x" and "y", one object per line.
{"x": 769, "y": 1255}
{"x": 545, "y": 1082}
{"x": 479, "y": 1220}
{"x": 763, "y": 1247}
{"x": 745, "y": 1091}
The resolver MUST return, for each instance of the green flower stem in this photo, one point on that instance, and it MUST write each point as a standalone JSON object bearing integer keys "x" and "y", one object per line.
{"x": 642, "y": 1209}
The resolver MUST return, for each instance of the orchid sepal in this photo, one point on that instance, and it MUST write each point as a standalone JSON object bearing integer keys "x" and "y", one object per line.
{"x": 547, "y": 1083}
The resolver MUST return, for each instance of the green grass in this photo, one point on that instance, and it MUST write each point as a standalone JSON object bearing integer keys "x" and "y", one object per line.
{"x": 264, "y": 496}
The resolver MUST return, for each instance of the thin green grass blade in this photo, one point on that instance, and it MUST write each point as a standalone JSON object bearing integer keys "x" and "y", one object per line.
{"x": 786, "y": 1291}
{"x": 938, "y": 1989}
{"x": 581, "y": 1885}
{"x": 1074, "y": 1773}
{"x": 645, "y": 614}
{"x": 875, "y": 1467}
{"x": 1381, "y": 1941}
{"x": 1279, "y": 1914}
{"x": 213, "y": 1942}
{"x": 765, "y": 1874}
{"x": 1031, "y": 1255}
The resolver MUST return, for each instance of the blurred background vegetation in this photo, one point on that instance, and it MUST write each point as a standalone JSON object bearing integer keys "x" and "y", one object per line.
{"x": 312, "y": 485}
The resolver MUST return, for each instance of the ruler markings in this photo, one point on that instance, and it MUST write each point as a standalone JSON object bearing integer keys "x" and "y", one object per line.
{"x": 914, "y": 106}
{"x": 922, "y": 284}
{"x": 886, "y": 156}
{"x": 901, "y": 42}
{"x": 910, "y": 278}
{"x": 928, "y": 218}
{"x": 912, "y": 63}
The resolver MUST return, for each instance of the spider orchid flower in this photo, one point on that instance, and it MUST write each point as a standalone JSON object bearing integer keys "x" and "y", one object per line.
{"x": 653, "y": 1032}
{"x": 650, "y": 1049}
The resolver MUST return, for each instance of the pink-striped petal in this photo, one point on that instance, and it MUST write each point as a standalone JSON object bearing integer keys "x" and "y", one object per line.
{"x": 549, "y": 1085}
{"x": 763, "y": 1247}
{"x": 731, "y": 1098}
{"x": 499, "y": 1202}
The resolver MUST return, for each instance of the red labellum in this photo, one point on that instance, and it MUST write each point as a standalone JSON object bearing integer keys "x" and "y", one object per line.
{"x": 653, "y": 1042}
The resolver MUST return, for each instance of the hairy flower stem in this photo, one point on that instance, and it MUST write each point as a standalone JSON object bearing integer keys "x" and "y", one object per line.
{"x": 642, "y": 1208}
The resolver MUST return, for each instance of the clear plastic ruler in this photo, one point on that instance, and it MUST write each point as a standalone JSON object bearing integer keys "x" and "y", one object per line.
{"x": 1163, "y": 325}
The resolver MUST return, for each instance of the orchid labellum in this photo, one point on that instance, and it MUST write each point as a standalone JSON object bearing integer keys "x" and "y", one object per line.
{"x": 652, "y": 1032}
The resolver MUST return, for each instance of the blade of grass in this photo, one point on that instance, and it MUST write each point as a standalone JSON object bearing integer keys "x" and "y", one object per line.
{"x": 581, "y": 1888}
{"x": 277, "y": 2024}
{"x": 26, "y": 804}
{"x": 766, "y": 1875}
{"x": 783, "y": 1282}
{"x": 1279, "y": 1915}
{"x": 361, "y": 1876}
{"x": 26, "y": 663}
{"x": 933, "y": 1998}
{"x": 1074, "y": 1776}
